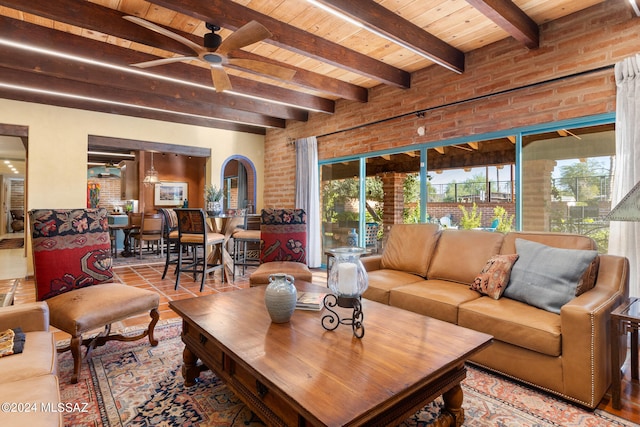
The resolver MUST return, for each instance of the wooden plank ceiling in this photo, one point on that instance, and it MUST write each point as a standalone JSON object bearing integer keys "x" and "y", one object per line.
{"x": 47, "y": 48}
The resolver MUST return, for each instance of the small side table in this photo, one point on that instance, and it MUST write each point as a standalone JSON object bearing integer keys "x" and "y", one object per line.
{"x": 624, "y": 319}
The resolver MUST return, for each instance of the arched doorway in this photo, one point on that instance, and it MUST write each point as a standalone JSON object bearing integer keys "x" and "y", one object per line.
{"x": 239, "y": 183}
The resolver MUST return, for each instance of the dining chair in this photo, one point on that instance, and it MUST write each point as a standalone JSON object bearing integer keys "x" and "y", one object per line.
{"x": 195, "y": 233}
{"x": 151, "y": 231}
{"x": 135, "y": 222}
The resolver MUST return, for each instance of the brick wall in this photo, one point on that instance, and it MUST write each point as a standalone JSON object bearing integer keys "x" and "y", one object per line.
{"x": 109, "y": 193}
{"x": 596, "y": 37}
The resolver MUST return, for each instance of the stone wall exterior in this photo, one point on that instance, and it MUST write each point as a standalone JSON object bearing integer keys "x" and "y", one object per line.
{"x": 527, "y": 87}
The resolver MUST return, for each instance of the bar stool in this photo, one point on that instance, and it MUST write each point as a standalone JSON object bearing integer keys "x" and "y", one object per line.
{"x": 246, "y": 241}
{"x": 171, "y": 236}
{"x": 194, "y": 232}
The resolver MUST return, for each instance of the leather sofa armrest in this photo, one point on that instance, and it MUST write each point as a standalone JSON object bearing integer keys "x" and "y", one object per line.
{"x": 585, "y": 325}
{"x": 372, "y": 262}
{"x": 30, "y": 317}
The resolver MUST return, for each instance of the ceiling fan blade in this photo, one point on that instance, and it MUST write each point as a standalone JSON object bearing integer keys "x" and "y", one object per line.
{"x": 220, "y": 79}
{"x": 266, "y": 68}
{"x": 249, "y": 33}
{"x": 163, "y": 61}
{"x": 158, "y": 29}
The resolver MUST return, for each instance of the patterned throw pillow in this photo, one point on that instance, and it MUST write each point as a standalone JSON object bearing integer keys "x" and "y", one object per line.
{"x": 284, "y": 235}
{"x": 71, "y": 249}
{"x": 494, "y": 277}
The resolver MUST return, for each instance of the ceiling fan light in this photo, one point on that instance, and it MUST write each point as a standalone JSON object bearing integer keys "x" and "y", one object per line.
{"x": 212, "y": 40}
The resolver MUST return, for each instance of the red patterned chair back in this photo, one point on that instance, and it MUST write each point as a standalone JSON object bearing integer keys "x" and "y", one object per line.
{"x": 284, "y": 235}
{"x": 71, "y": 249}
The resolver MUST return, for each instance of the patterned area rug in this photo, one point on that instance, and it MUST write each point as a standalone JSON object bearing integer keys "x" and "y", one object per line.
{"x": 12, "y": 243}
{"x": 133, "y": 384}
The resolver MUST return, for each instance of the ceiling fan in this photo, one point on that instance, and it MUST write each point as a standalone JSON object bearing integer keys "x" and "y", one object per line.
{"x": 215, "y": 51}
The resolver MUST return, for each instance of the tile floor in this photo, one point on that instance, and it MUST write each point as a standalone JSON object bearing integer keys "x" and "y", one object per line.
{"x": 149, "y": 276}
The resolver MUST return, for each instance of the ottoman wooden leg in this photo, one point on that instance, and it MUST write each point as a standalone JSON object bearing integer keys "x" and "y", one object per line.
{"x": 154, "y": 319}
{"x": 76, "y": 352}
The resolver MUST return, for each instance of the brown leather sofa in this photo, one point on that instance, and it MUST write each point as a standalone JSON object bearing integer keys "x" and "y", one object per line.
{"x": 429, "y": 271}
{"x": 29, "y": 391}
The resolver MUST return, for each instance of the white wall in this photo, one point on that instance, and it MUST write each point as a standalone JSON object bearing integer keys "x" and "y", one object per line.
{"x": 58, "y": 141}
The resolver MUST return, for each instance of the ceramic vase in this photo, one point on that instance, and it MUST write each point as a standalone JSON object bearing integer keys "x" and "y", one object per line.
{"x": 280, "y": 297}
{"x": 352, "y": 238}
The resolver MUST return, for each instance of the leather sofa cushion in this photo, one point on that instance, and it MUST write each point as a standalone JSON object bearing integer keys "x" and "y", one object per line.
{"x": 409, "y": 248}
{"x": 557, "y": 240}
{"x": 38, "y": 390}
{"x": 515, "y": 323}
{"x": 382, "y": 281}
{"x": 38, "y": 358}
{"x": 460, "y": 255}
{"x": 93, "y": 307}
{"x": 439, "y": 299}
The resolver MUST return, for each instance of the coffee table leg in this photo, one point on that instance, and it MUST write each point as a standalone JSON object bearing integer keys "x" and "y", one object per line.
{"x": 190, "y": 368}
{"x": 452, "y": 413}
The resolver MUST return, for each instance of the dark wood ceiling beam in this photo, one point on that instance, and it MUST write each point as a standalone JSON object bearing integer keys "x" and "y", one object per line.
{"x": 405, "y": 33}
{"x": 98, "y": 18}
{"x": 104, "y": 77}
{"x": 34, "y": 35}
{"x": 313, "y": 81}
{"x": 511, "y": 19}
{"x": 137, "y": 100}
{"x": 14, "y": 130}
{"x": 22, "y": 96}
{"x": 233, "y": 15}
{"x": 94, "y": 17}
{"x": 97, "y": 143}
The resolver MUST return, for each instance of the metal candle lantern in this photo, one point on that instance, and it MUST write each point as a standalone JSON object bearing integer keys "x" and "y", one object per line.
{"x": 347, "y": 280}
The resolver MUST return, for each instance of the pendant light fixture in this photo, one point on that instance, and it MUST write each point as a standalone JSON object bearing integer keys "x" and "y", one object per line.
{"x": 151, "y": 177}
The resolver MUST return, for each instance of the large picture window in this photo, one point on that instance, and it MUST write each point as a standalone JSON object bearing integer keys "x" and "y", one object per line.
{"x": 566, "y": 181}
{"x": 555, "y": 180}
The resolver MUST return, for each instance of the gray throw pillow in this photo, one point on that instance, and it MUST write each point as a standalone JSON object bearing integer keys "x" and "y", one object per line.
{"x": 546, "y": 277}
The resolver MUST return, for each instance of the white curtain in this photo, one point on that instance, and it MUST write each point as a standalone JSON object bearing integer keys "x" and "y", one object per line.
{"x": 623, "y": 237}
{"x": 308, "y": 195}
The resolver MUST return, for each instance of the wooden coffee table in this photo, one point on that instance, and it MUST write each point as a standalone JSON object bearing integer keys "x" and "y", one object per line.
{"x": 298, "y": 373}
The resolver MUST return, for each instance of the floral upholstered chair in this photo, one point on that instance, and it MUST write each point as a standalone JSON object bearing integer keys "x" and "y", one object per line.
{"x": 72, "y": 266}
{"x": 283, "y": 235}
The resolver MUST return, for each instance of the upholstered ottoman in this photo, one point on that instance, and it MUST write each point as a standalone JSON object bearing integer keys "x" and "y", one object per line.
{"x": 99, "y": 306}
{"x": 86, "y": 309}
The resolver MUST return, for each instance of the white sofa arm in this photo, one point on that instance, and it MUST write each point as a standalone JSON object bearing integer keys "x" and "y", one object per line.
{"x": 30, "y": 317}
